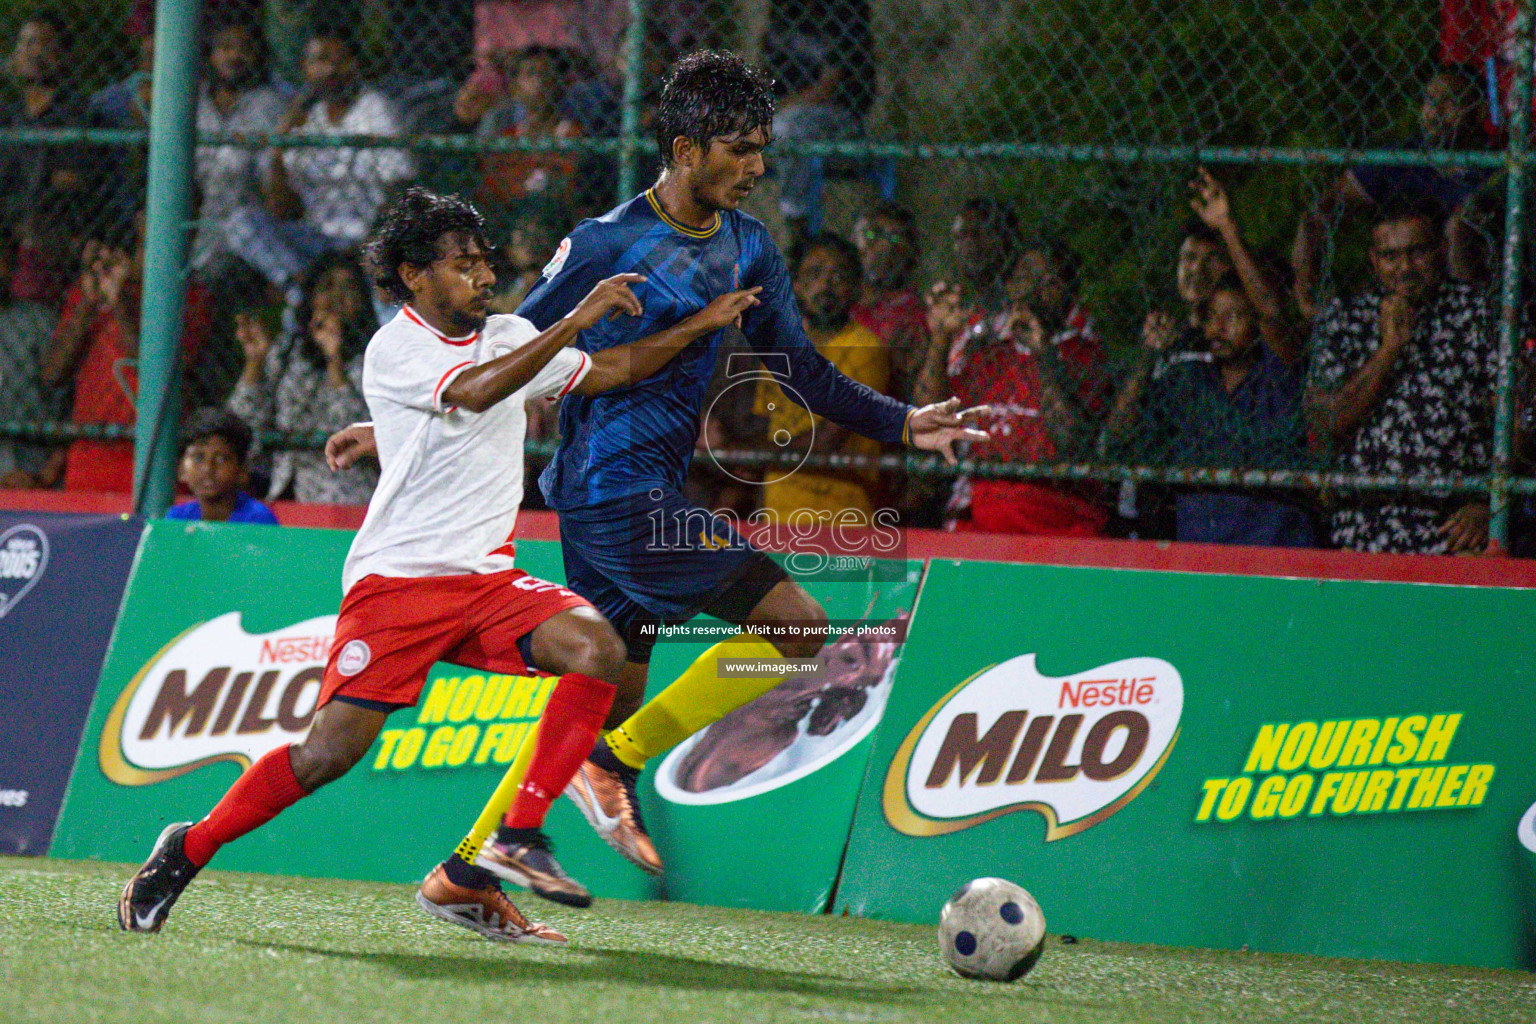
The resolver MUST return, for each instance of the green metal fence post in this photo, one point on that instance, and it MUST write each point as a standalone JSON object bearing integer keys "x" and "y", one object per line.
{"x": 1509, "y": 305}
{"x": 172, "y": 122}
{"x": 629, "y": 130}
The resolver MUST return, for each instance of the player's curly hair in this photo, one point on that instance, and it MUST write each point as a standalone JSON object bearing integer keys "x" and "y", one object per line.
{"x": 411, "y": 231}
{"x": 709, "y": 94}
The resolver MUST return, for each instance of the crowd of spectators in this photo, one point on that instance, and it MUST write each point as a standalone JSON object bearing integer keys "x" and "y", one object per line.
{"x": 1251, "y": 369}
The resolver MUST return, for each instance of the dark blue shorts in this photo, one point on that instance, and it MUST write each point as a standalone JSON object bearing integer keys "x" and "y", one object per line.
{"x": 653, "y": 558}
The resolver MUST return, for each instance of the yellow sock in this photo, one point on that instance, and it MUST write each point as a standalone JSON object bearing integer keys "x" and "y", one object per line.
{"x": 695, "y": 699}
{"x": 501, "y": 799}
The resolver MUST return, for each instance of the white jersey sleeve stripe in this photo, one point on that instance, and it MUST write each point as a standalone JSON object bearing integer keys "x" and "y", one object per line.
{"x": 577, "y": 375}
{"x": 437, "y": 392}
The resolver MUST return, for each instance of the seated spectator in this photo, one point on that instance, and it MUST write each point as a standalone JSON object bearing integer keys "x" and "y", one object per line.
{"x": 311, "y": 380}
{"x": 535, "y": 235}
{"x": 325, "y": 198}
{"x": 1241, "y": 409}
{"x": 96, "y": 345}
{"x": 26, "y": 329}
{"x": 1040, "y": 367}
{"x": 1403, "y": 383}
{"x": 822, "y": 58}
{"x": 826, "y": 283}
{"x": 516, "y": 182}
{"x": 215, "y": 467}
{"x": 236, "y": 98}
{"x": 1450, "y": 116}
{"x": 889, "y": 305}
{"x": 41, "y": 185}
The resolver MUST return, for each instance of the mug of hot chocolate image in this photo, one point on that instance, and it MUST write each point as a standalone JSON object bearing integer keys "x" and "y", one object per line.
{"x": 799, "y": 726}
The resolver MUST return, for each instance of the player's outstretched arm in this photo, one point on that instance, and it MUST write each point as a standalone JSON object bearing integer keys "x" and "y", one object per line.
{"x": 624, "y": 365}
{"x": 480, "y": 387}
{"x": 937, "y": 427}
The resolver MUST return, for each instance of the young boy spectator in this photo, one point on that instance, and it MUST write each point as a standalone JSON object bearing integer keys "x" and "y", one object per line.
{"x": 325, "y": 198}
{"x": 826, "y": 282}
{"x": 96, "y": 344}
{"x": 886, "y": 237}
{"x": 1403, "y": 383}
{"x": 215, "y": 456}
{"x": 1449, "y": 118}
{"x": 1241, "y": 409}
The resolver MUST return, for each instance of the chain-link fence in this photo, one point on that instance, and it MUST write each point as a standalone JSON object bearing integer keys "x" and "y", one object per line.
{"x": 1225, "y": 271}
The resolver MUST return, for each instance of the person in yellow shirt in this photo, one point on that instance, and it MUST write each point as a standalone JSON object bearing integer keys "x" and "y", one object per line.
{"x": 826, "y": 282}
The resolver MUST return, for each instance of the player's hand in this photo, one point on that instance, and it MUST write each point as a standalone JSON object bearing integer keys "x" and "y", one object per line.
{"x": 1466, "y": 531}
{"x": 726, "y": 310}
{"x": 610, "y": 297}
{"x": 349, "y": 444}
{"x": 938, "y": 427}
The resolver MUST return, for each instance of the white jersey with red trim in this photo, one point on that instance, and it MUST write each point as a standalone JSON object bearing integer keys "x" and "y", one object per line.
{"x": 451, "y": 480}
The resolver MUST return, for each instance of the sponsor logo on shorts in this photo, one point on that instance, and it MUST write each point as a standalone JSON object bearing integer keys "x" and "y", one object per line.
{"x": 216, "y": 693}
{"x": 23, "y": 560}
{"x": 353, "y": 658}
{"x": 1074, "y": 749}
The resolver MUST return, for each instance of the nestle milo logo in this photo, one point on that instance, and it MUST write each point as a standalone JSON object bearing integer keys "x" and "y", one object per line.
{"x": 23, "y": 560}
{"x": 216, "y": 693}
{"x": 1074, "y": 749}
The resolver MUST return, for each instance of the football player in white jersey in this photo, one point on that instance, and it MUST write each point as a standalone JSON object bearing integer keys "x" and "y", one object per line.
{"x": 430, "y": 575}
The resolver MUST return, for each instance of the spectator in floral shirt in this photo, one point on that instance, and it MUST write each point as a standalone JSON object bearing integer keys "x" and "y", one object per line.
{"x": 1403, "y": 383}
{"x": 311, "y": 380}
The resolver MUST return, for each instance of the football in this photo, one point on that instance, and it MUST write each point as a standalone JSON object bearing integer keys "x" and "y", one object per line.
{"x": 992, "y": 929}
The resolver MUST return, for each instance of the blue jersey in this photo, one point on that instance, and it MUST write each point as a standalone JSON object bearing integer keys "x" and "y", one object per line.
{"x": 640, "y": 438}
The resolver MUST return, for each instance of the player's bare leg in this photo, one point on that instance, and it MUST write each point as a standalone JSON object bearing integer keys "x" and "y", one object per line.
{"x": 508, "y": 840}
{"x": 606, "y": 786}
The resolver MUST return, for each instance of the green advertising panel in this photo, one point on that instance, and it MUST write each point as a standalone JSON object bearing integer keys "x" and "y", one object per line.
{"x": 1324, "y": 767}
{"x": 217, "y": 658}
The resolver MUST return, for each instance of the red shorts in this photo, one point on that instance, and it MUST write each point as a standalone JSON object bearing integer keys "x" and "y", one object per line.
{"x": 392, "y": 629}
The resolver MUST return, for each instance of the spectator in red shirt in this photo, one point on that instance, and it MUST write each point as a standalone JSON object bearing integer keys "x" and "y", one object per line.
{"x": 886, "y": 237}
{"x": 1040, "y": 366}
{"x": 96, "y": 345}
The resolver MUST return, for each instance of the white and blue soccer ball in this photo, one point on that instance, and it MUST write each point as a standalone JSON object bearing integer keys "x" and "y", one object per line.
{"x": 992, "y": 929}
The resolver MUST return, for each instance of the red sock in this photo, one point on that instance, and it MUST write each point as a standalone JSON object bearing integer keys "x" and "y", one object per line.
{"x": 256, "y": 798}
{"x": 567, "y": 731}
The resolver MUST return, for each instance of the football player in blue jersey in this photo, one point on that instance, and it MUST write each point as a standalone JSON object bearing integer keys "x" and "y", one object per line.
{"x": 633, "y": 545}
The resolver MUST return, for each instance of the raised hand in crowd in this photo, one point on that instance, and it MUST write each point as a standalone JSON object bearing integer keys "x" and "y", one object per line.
{"x": 1158, "y": 331}
{"x": 1210, "y": 202}
{"x": 326, "y": 330}
{"x": 255, "y": 342}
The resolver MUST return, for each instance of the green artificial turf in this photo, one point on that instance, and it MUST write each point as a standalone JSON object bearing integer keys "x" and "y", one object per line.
{"x": 264, "y": 948}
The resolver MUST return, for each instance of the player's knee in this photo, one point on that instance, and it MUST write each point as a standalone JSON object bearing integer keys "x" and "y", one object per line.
{"x": 595, "y": 650}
